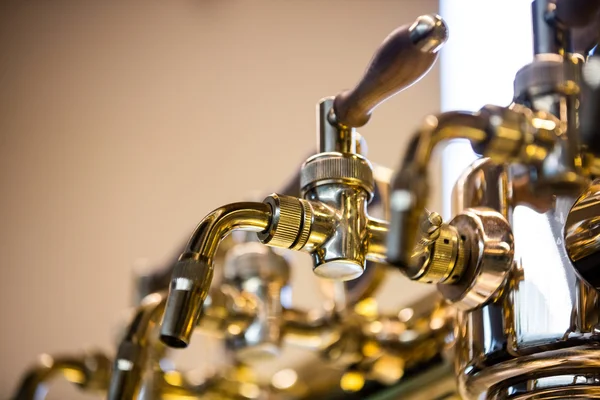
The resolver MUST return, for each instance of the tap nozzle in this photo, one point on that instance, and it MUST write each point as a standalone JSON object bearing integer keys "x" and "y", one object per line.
{"x": 193, "y": 272}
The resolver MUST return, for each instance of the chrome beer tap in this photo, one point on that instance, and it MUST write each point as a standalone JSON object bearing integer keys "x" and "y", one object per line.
{"x": 517, "y": 308}
{"x": 330, "y": 221}
{"x": 90, "y": 371}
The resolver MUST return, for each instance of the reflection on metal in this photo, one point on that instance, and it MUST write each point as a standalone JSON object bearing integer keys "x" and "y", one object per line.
{"x": 582, "y": 235}
{"x": 89, "y": 371}
{"x": 517, "y": 311}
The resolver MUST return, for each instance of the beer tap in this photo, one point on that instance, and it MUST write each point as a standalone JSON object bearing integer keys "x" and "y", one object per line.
{"x": 330, "y": 220}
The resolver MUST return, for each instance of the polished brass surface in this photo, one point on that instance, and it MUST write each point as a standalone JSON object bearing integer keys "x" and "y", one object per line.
{"x": 497, "y": 341}
{"x": 517, "y": 310}
{"x": 193, "y": 272}
{"x": 411, "y": 182}
{"x": 490, "y": 259}
{"x": 136, "y": 348}
{"x": 90, "y": 371}
{"x": 290, "y": 224}
{"x": 439, "y": 255}
{"x": 260, "y": 274}
{"x": 326, "y": 168}
{"x": 582, "y": 238}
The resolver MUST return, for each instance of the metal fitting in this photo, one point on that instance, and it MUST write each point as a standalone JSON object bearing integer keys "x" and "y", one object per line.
{"x": 447, "y": 259}
{"x": 258, "y": 272}
{"x": 439, "y": 256}
{"x": 326, "y": 168}
{"x": 490, "y": 245}
{"x": 291, "y": 222}
{"x": 549, "y": 73}
{"x": 506, "y": 132}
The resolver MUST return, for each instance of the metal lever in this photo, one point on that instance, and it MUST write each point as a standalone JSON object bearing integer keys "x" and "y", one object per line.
{"x": 404, "y": 57}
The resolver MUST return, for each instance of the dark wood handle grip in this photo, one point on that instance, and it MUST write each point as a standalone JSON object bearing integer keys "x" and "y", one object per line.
{"x": 404, "y": 57}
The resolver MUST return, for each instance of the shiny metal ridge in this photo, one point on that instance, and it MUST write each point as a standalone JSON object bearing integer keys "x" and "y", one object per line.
{"x": 516, "y": 309}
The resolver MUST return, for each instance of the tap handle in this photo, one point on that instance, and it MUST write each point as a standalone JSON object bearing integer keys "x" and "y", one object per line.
{"x": 404, "y": 57}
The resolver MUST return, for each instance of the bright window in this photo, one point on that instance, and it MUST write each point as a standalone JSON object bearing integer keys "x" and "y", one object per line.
{"x": 489, "y": 41}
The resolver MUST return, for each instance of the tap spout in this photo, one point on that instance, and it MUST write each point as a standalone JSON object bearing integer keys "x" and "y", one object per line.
{"x": 193, "y": 272}
{"x": 132, "y": 354}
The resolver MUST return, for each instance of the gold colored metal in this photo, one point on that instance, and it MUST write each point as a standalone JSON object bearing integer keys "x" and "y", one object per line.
{"x": 90, "y": 371}
{"x": 254, "y": 217}
{"x": 377, "y": 233}
{"x": 325, "y": 168}
{"x": 519, "y": 311}
{"x": 193, "y": 273}
{"x": 136, "y": 349}
{"x": 410, "y": 186}
{"x": 352, "y": 381}
{"x": 446, "y": 257}
{"x": 291, "y": 222}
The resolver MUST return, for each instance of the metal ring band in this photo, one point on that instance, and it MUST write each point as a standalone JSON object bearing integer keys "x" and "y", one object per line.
{"x": 337, "y": 167}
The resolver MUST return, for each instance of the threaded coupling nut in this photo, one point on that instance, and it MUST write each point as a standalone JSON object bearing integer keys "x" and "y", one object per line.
{"x": 290, "y": 224}
{"x": 332, "y": 167}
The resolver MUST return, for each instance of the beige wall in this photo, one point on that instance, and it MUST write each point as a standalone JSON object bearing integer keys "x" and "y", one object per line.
{"x": 121, "y": 125}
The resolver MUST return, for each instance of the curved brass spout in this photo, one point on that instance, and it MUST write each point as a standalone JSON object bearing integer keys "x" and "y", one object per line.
{"x": 88, "y": 371}
{"x": 132, "y": 354}
{"x": 411, "y": 188}
{"x": 193, "y": 272}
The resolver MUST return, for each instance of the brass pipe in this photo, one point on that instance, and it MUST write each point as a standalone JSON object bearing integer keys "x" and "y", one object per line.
{"x": 411, "y": 184}
{"x": 193, "y": 272}
{"x": 226, "y": 306}
{"x": 574, "y": 360}
{"x": 315, "y": 333}
{"x": 377, "y": 232}
{"x": 133, "y": 352}
{"x": 88, "y": 371}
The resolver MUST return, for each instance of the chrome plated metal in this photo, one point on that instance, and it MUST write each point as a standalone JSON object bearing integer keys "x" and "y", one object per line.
{"x": 491, "y": 258}
{"x": 516, "y": 268}
{"x": 90, "y": 371}
{"x": 261, "y": 274}
{"x": 582, "y": 235}
{"x": 193, "y": 272}
{"x": 136, "y": 348}
{"x": 535, "y": 318}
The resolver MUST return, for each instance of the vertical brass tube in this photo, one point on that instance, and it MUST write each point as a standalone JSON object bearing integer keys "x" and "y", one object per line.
{"x": 133, "y": 351}
{"x": 410, "y": 185}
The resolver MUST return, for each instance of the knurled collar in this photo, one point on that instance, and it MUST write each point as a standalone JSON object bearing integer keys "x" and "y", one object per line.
{"x": 333, "y": 167}
{"x": 446, "y": 261}
{"x": 550, "y": 74}
{"x": 291, "y": 222}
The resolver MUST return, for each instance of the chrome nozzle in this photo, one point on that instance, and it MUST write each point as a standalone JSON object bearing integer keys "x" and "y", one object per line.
{"x": 189, "y": 287}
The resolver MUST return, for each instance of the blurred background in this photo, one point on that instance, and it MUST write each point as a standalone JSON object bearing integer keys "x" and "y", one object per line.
{"x": 123, "y": 123}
